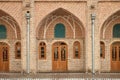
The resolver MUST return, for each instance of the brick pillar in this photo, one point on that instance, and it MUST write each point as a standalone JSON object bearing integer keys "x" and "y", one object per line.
{"x": 23, "y": 43}
{"x": 88, "y": 46}
{"x": 97, "y": 39}
{"x": 88, "y": 43}
{"x": 97, "y": 46}
{"x": 28, "y": 6}
{"x": 33, "y": 41}
{"x": 92, "y": 9}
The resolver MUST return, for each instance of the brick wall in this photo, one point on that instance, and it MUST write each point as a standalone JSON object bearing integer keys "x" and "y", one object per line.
{"x": 13, "y": 24}
{"x": 80, "y": 11}
{"x": 45, "y": 65}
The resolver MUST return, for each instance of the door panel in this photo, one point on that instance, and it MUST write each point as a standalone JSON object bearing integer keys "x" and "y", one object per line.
{"x": 55, "y": 57}
{"x": 0, "y": 58}
{"x": 59, "y": 57}
{"x": 115, "y": 57}
{"x": 4, "y": 57}
{"x": 63, "y": 56}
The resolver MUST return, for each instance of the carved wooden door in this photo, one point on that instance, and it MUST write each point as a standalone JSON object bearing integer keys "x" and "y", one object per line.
{"x": 115, "y": 57}
{"x": 59, "y": 57}
{"x": 4, "y": 57}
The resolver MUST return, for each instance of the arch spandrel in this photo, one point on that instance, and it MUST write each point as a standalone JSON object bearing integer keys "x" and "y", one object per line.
{"x": 11, "y": 24}
{"x": 107, "y": 28}
{"x": 60, "y": 12}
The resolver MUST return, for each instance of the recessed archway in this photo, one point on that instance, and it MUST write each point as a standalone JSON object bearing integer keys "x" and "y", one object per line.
{"x": 106, "y": 31}
{"x": 109, "y": 32}
{"x": 74, "y": 27}
{"x": 12, "y": 34}
{"x": 12, "y": 27}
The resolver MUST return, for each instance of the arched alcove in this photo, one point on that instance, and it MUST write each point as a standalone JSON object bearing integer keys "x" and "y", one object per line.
{"x": 74, "y": 27}
{"x": 12, "y": 28}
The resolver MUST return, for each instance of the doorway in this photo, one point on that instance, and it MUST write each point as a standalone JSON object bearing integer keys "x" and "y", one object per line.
{"x": 115, "y": 57}
{"x": 59, "y": 57}
{"x": 4, "y": 57}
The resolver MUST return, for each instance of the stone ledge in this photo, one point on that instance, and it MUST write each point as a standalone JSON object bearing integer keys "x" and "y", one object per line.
{"x": 10, "y": 0}
{"x": 62, "y": 0}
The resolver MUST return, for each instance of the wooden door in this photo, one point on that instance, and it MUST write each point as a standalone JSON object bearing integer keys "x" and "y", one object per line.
{"x": 4, "y": 57}
{"x": 59, "y": 57}
{"x": 115, "y": 57}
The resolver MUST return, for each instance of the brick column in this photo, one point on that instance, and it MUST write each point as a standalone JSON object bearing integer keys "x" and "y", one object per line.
{"x": 92, "y": 9}
{"x": 33, "y": 41}
{"x": 23, "y": 43}
{"x": 28, "y": 6}
{"x": 97, "y": 39}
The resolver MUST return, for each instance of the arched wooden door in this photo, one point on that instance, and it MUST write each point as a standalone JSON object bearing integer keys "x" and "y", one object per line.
{"x": 59, "y": 57}
{"x": 115, "y": 57}
{"x": 4, "y": 57}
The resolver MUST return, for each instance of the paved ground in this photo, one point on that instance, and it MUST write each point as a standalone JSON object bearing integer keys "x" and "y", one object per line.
{"x": 60, "y": 75}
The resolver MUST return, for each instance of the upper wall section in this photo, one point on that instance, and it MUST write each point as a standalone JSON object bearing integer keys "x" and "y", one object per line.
{"x": 10, "y": 0}
{"x": 61, "y": 0}
{"x": 105, "y": 10}
{"x": 42, "y": 9}
{"x": 14, "y": 9}
{"x": 76, "y": 0}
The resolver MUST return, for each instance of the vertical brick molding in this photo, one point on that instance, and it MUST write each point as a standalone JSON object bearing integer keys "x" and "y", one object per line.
{"x": 33, "y": 41}
{"x": 97, "y": 40}
{"x": 24, "y": 35}
{"x": 23, "y": 42}
{"x": 28, "y": 5}
{"x": 91, "y": 8}
{"x": 88, "y": 45}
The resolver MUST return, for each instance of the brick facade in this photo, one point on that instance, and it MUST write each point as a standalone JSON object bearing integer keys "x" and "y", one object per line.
{"x": 76, "y": 17}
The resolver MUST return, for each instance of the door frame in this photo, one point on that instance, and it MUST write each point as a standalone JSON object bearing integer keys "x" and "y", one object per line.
{"x": 117, "y": 63}
{"x": 53, "y": 45}
{"x": 7, "y": 46}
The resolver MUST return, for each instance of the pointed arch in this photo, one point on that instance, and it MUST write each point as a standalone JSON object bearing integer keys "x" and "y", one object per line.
{"x": 77, "y": 25}
{"x": 11, "y": 25}
{"x": 106, "y": 31}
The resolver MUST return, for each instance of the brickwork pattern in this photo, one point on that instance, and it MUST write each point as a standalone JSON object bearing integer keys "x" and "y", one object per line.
{"x": 73, "y": 64}
{"x": 12, "y": 10}
{"x": 42, "y": 9}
